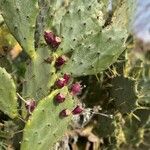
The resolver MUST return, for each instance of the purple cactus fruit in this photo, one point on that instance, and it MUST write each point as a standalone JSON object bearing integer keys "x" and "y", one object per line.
{"x": 60, "y": 61}
{"x": 76, "y": 88}
{"x": 60, "y": 98}
{"x": 61, "y": 82}
{"x": 67, "y": 78}
{"x": 51, "y": 39}
{"x": 30, "y": 105}
{"x": 77, "y": 110}
{"x": 64, "y": 113}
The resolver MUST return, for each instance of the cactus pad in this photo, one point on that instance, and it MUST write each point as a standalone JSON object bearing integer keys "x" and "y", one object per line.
{"x": 124, "y": 93}
{"x": 20, "y": 17}
{"x": 85, "y": 36}
{"x": 94, "y": 55}
{"x": 45, "y": 127}
{"x": 40, "y": 76}
{"x": 8, "y": 98}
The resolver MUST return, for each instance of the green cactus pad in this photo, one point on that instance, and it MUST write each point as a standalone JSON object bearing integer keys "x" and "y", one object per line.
{"x": 20, "y": 17}
{"x": 40, "y": 75}
{"x": 81, "y": 26}
{"x": 80, "y": 19}
{"x": 94, "y": 55}
{"x": 105, "y": 127}
{"x": 124, "y": 94}
{"x": 8, "y": 98}
{"x": 134, "y": 134}
{"x": 45, "y": 127}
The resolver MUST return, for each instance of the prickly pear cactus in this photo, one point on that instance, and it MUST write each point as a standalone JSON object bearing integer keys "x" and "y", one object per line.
{"x": 108, "y": 129}
{"x": 8, "y": 98}
{"x": 77, "y": 38}
{"x": 124, "y": 94}
{"x": 90, "y": 54}
{"x": 20, "y": 17}
{"x": 46, "y": 125}
{"x": 86, "y": 37}
{"x": 40, "y": 75}
{"x": 102, "y": 56}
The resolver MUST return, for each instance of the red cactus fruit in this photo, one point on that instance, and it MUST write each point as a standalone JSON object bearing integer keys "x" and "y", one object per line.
{"x": 77, "y": 110}
{"x": 67, "y": 78}
{"x": 64, "y": 113}
{"x": 60, "y": 61}
{"x": 51, "y": 39}
{"x": 60, "y": 98}
{"x": 61, "y": 82}
{"x": 76, "y": 88}
{"x": 30, "y": 105}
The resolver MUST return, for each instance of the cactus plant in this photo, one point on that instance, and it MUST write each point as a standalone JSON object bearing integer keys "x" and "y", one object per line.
{"x": 22, "y": 25}
{"x": 87, "y": 42}
{"x": 124, "y": 94}
{"x": 8, "y": 98}
{"x": 45, "y": 127}
{"x": 108, "y": 129}
{"x": 40, "y": 76}
{"x": 64, "y": 40}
